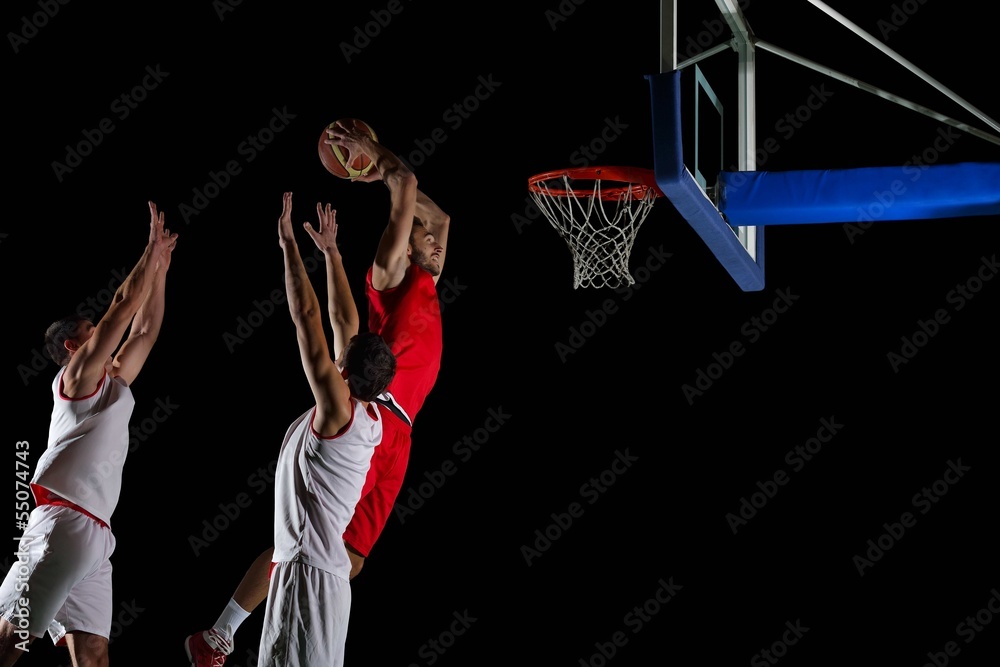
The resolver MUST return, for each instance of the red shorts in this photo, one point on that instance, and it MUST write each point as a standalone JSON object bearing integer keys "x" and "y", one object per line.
{"x": 382, "y": 485}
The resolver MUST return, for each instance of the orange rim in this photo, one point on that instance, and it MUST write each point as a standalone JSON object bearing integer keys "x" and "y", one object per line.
{"x": 635, "y": 179}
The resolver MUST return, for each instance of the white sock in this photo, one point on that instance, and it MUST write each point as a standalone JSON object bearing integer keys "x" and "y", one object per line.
{"x": 230, "y": 619}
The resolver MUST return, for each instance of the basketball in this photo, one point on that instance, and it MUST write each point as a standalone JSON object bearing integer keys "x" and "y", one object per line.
{"x": 334, "y": 157}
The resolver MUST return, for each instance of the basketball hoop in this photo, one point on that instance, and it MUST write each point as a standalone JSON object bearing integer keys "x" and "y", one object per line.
{"x": 597, "y": 211}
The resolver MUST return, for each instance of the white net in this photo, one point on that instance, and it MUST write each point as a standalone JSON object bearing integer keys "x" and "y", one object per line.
{"x": 599, "y": 232}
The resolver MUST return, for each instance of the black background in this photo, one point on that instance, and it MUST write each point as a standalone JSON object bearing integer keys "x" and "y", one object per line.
{"x": 561, "y": 74}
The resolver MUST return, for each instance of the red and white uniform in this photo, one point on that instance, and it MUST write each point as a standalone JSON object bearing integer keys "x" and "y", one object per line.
{"x": 408, "y": 317}
{"x": 88, "y": 443}
{"x": 317, "y": 483}
{"x": 67, "y": 545}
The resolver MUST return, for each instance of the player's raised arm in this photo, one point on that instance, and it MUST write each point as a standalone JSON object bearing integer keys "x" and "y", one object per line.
{"x": 332, "y": 395}
{"x": 391, "y": 260}
{"x": 343, "y": 310}
{"x": 145, "y": 329}
{"x": 90, "y": 355}
{"x": 437, "y": 223}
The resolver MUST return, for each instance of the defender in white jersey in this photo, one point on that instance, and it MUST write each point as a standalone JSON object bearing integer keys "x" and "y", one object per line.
{"x": 322, "y": 466}
{"x": 61, "y": 581}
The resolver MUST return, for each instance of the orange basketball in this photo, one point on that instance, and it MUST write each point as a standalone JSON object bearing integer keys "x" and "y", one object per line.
{"x": 334, "y": 157}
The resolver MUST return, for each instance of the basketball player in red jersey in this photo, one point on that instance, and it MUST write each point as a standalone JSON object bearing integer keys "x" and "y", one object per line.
{"x": 61, "y": 581}
{"x": 403, "y": 306}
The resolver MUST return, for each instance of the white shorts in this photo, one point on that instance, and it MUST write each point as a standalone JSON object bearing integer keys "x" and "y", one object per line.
{"x": 305, "y": 621}
{"x": 63, "y": 572}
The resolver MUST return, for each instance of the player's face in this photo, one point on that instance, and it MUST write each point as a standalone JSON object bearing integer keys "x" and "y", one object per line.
{"x": 425, "y": 252}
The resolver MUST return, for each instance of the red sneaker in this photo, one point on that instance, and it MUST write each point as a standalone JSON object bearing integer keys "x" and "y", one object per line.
{"x": 208, "y": 649}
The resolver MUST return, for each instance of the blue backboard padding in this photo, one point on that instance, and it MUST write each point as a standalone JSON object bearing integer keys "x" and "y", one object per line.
{"x": 868, "y": 194}
{"x": 680, "y": 187}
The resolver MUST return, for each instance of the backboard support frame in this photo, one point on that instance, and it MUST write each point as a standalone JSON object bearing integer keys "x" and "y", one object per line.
{"x": 740, "y": 249}
{"x": 714, "y": 215}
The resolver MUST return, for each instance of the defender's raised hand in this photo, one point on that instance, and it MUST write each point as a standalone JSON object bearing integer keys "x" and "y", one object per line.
{"x": 285, "y": 232}
{"x": 159, "y": 236}
{"x": 325, "y": 237}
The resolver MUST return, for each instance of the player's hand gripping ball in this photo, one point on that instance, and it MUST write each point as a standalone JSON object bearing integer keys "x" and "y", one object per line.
{"x": 336, "y": 158}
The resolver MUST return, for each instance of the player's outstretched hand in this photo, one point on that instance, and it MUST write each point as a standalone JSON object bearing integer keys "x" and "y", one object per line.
{"x": 162, "y": 239}
{"x": 285, "y": 232}
{"x": 159, "y": 237}
{"x": 325, "y": 237}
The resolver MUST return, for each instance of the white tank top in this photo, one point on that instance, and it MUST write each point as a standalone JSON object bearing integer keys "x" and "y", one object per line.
{"x": 88, "y": 443}
{"x": 317, "y": 485}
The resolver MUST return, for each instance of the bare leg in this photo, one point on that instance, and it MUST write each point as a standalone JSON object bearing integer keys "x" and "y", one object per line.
{"x": 9, "y": 639}
{"x": 87, "y": 650}
{"x": 253, "y": 587}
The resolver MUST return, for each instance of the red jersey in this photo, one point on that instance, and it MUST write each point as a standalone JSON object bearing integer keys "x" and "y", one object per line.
{"x": 408, "y": 317}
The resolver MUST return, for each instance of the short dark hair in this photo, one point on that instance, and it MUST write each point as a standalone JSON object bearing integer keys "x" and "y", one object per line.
{"x": 56, "y": 336}
{"x": 370, "y": 365}
{"x": 418, "y": 227}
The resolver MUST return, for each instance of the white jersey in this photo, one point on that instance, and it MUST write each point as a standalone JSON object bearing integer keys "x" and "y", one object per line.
{"x": 317, "y": 485}
{"x": 88, "y": 443}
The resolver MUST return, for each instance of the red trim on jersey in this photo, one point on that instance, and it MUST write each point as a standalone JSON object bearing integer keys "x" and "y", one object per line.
{"x": 64, "y": 397}
{"x": 45, "y": 497}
